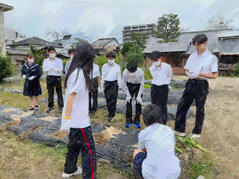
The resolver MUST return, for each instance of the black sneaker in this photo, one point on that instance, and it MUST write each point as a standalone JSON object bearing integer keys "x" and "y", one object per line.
{"x": 36, "y": 108}
{"x": 50, "y": 110}
{"x": 110, "y": 119}
{"x": 30, "y": 108}
{"x": 60, "y": 110}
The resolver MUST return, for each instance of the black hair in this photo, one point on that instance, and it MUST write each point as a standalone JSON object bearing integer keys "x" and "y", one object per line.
{"x": 199, "y": 38}
{"x": 155, "y": 55}
{"x": 83, "y": 59}
{"x": 111, "y": 55}
{"x": 50, "y": 48}
{"x": 72, "y": 50}
{"x": 132, "y": 66}
{"x": 152, "y": 114}
{"x": 30, "y": 55}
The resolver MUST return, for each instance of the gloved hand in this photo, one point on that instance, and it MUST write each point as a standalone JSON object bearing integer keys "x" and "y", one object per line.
{"x": 139, "y": 99}
{"x": 24, "y": 76}
{"x": 128, "y": 98}
{"x": 31, "y": 78}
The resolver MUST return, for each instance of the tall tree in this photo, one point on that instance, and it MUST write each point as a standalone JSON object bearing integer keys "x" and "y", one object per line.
{"x": 168, "y": 28}
{"x": 139, "y": 38}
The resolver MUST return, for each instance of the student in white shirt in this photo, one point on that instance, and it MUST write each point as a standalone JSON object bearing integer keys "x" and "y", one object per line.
{"x": 201, "y": 65}
{"x": 155, "y": 158}
{"x": 133, "y": 84}
{"x": 71, "y": 53}
{"x": 53, "y": 67}
{"x": 111, "y": 82}
{"x": 75, "y": 116}
{"x": 93, "y": 95}
{"x": 162, "y": 75}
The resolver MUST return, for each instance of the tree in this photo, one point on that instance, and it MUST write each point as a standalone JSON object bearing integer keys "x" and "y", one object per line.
{"x": 139, "y": 38}
{"x": 7, "y": 68}
{"x": 168, "y": 28}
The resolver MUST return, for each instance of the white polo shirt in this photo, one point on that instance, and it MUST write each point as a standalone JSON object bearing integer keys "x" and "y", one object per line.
{"x": 79, "y": 114}
{"x": 53, "y": 67}
{"x": 134, "y": 78}
{"x": 162, "y": 75}
{"x": 96, "y": 71}
{"x": 111, "y": 73}
{"x": 161, "y": 161}
{"x": 206, "y": 63}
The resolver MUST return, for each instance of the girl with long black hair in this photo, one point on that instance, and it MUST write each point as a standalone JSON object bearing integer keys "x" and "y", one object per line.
{"x": 75, "y": 116}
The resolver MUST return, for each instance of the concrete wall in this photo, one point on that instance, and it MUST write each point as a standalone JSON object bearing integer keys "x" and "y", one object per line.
{"x": 2, "y": 35}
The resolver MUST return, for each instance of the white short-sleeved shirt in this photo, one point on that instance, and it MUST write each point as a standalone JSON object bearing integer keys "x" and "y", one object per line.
{"x": 206, "y": 63}
{"x": 162, "y": 75}
{"x": 161, "y": 161}
{"x": 80, "y": 117}
{"x": 96, "y": 71}
{"x": 53, "y": 67}
{"x": 111, "y": 73}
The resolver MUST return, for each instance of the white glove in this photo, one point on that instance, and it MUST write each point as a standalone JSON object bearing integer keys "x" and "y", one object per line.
{"x": 139, "y": 99}
{"x": 128, "y": 98}
{"x": 24, "y": 76}
{"x": 192, "y": 75}
{"x": 31, "y": 78}
{"x": 100, "y": 90}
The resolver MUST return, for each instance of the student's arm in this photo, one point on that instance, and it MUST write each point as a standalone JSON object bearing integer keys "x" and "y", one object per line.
{"x": 124, "y": 85}
{"x": 38, "y": 74}
{"x": 119, "y": 77}
{"x": 69, "y": 105}
{"x": 170, "y": 74}
{"x": 102, "y": 78}
{"x": 59, "y": 67}
{"x": 212, "y": 75}
{"x": 45, "y": 66}
{"x": 141, "y": 89}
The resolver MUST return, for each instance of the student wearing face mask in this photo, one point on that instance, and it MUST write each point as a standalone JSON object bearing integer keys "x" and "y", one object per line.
{"x": 162, "y": 75}
{"x": 31, "y": 72}
{"x": 110, "y": 83}
{"x": 53, "y": 67}
{"x": 71, "y": 53}
{"x": 133, "y": 85}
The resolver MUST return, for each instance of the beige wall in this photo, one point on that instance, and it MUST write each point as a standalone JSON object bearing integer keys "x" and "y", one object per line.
{"x": 2, "y": 36}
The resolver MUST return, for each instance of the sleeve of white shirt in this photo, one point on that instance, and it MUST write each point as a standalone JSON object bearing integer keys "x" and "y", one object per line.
{"x": 214, "y": 66}
{"x": 119, "y": 77}
{"x": 170, "y": 74}
{"x": 45, "y": 66}
{"x": 141, "y": 141}
{"x": 124, "y": 81}
{"x": 188, "y": 63}
{"x": 141, "y": 89}
{"x": 76, "y": 85}
{"x": 97, "y": 71}
{"x": 103, "y": 77}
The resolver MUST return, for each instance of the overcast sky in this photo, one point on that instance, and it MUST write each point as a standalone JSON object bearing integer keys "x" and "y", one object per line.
{"x": 106, "y": 18}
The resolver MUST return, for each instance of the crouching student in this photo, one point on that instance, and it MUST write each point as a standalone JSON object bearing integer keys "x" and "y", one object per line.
{"x": 162, "y": 75}
{"x": 75, "y": 116}
{"x": 155, "y": 158}
{"x": 93, "y": 101}
{"x": 133, "y": 84}
{"x": 111, "y": 82}
{"x": 31, "y": 72}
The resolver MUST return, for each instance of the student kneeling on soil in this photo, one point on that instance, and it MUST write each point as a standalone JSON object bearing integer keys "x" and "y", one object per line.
{"x": 133, "y": 84}
{"x": 75, "y": 116}
{"x": 155, "y": 158}
{"x": 31, "y": 72}
{"x": 162, "y": 75}
{"x": 110, "y": 83}
{"x": 201, "y": 66}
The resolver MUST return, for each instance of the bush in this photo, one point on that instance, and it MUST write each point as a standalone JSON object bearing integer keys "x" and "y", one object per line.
{"x": 236, "y": 72}
{"x": 6, "y": 66}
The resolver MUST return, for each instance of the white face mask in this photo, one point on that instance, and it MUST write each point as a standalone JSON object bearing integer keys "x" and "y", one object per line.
{"x": 52, "y": 55}
{"x": 111, "y": 61}
{"x": 156, "y": 63}
{"x": 30, "y": 60}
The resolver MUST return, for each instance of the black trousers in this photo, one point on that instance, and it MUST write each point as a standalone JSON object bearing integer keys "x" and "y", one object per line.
{"x": 159, "y": 97}
{"x": 93, "y": 96}
{"x": 111, "y": 94}
{"x": 195, "y": 90}
{"x": 133, "y": 90}
{"x": 81, "y": 140}
{"x": 54, "y": 82}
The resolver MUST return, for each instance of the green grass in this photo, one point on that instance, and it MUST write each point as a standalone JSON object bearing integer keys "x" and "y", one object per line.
{"x": 203, "y": 166}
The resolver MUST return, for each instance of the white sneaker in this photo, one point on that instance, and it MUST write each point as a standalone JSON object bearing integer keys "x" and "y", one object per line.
{"x": 68, "y": 175}
{"x": 181, "y": 134}
{"x": 195, "y": 136}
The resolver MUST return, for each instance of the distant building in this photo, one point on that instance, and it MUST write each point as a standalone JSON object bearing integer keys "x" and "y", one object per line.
{"x": 143, "y": 28}
{"x": 3, "y": 8}
{"x": 18, "y": 50}
{"x": 104, "y": 45}
{"x": 224, "y": 43}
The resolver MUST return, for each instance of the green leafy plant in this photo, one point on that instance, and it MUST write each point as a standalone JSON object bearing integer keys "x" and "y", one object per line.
{"x": 6, "y": 66}
{"x": 236, "y": 72}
